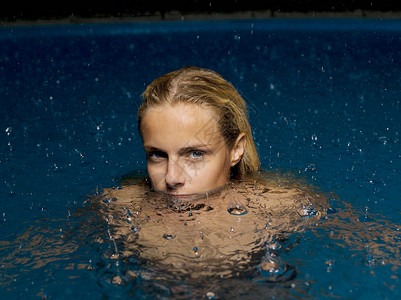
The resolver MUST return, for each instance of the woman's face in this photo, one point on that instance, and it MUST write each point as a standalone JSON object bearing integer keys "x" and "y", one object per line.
{"x": 186, "y": 154}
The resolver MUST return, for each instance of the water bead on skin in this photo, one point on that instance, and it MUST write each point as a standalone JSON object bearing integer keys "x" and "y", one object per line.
{"x": 168, "y": 236}
{"x": 235, "y": 205}
{"x": 236, "y": 209}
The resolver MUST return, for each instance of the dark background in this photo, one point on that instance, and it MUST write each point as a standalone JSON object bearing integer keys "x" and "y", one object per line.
{"x": 37, "y": 10}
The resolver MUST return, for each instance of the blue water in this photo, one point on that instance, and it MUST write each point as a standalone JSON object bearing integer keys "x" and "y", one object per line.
{"x": 324, "y": 104}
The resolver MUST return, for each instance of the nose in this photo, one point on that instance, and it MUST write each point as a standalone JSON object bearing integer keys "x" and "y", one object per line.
{"x": 175, "y": 176}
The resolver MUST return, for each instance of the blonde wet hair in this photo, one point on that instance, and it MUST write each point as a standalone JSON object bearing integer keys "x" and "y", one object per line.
{"x": 209, "y": 89}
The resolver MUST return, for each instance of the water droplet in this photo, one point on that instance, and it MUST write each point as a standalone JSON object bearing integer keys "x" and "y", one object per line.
{"x": 135, "y": 228}
{"x": 167, "y": 236}
{"x": 8, "y": 130}
{"x": 237, "y": 209}
{"x": 271, "y": 265}
{"x": 384, "y": 140}
{"x": 274, "y": 246}
{"x": 331, "y": 210}
{"x": 107, "y": 200}
{"x": 307, "y": 211}
{"x": 115, "y": 256}
{"x": 310, "y": 168}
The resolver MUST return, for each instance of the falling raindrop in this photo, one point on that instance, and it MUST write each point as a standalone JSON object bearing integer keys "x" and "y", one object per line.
{"x": 8, "y": 130}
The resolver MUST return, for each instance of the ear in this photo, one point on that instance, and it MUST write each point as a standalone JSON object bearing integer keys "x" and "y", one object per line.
{"x": 238, "y": 149}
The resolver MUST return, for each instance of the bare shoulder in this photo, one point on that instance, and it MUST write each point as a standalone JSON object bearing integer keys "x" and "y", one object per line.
{"x": 126, "y": 194}
{"x": 283, "y": 194}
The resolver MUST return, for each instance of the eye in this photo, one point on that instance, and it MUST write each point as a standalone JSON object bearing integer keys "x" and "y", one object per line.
{"x": 157, "y": 155}
{"x": 196, "y": 154}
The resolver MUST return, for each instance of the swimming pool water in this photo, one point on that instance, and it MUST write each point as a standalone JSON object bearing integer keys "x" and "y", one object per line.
{"x": 324, "y": 105}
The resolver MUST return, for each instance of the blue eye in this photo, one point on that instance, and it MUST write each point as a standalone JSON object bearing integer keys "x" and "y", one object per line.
{"x": 196, "y": 154}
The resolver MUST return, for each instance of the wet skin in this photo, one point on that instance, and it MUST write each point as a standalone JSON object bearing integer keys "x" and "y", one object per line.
{"x": 186, "y": 153}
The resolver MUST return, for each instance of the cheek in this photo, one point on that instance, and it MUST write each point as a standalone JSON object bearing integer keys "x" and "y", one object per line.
{"x": 194, "y": 169}
{"x": 156, "y": 174}
{"x": 212, "y": 169}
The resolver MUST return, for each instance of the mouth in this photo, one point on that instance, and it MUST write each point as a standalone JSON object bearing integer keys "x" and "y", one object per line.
{"x": 182, "y": 196}
{"x": 193, "y": 196}
{"x": 186, "y": 198}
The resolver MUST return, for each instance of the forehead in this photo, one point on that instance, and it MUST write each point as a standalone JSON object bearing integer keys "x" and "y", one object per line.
{"x": 179, "y": 124}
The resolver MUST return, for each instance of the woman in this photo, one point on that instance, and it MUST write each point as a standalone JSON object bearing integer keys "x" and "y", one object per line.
{"x": 207, "y": 207}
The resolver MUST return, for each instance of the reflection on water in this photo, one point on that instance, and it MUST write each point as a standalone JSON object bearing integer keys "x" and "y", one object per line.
{"x": 236, "y": 238}
{"x": 246, "y": 240}
{"x": 218, "y": 244}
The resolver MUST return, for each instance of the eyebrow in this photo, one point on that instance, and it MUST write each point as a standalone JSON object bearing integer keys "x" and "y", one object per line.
{"x": 181, "y": 150}
{"x": 151, "y": 148}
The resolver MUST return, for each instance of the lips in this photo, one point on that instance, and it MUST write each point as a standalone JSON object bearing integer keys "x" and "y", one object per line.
{"x": 182, "y": 196}
{"x": 193, "y": 196}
